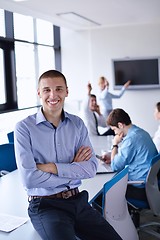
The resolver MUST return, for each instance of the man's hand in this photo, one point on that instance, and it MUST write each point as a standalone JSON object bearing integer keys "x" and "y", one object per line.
{"x": 98, "y": 110}
{"x": 89, "y": 86}
{"x": 106, "y": 158}
{"x": 117, "y": 138}
{"x": 126, "y": 85}
{"x": 83, "y": 154}
{"x": 47, "y": 167}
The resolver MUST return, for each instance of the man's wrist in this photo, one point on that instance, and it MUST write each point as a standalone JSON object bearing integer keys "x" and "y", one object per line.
{"x": 114, "y": 146}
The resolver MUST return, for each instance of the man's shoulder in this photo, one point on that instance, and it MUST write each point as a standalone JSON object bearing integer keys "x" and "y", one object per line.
{"x": 73, "y": 117}
{"x": 27, "y": 120}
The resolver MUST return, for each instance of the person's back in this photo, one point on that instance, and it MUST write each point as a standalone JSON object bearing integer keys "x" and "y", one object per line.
{"x": 136, "y": 150}
{"x": 132, "y": 146}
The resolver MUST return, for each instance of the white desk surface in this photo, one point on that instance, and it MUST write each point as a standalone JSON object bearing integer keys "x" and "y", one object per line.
{"x": 13, "y": 201}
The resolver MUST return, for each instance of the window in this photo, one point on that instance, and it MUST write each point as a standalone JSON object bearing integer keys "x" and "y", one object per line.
{"x": 2, "y": 82}
{"x": 2, "y": 23}
{"x": 25, "y": 73}
{"x": 46, "y": 58}
{"x": 44, "y": 32}
{"x": 23, "y": 27}
{"x": 26, "y": 51}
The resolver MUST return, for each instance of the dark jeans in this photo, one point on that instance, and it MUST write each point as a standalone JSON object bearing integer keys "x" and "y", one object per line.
{"x": 62, "y": 219}
{"x": 136, "y": 193}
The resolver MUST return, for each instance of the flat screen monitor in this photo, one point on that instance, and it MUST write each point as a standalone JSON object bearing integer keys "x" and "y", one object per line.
{"x": 143, "y": 73}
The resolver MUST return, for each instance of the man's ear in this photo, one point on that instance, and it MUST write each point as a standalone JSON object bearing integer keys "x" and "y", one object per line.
{"x": 120, "y": 125}
{"x": 38, "y": 92}
{"x": 67, "y": 92}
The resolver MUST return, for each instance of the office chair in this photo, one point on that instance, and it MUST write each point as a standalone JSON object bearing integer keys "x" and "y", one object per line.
{"x": 115, "y": 208}
{"x": 10, "y": 137}
{"x": 152, "y": 205}
{"x": 7, "y": 158}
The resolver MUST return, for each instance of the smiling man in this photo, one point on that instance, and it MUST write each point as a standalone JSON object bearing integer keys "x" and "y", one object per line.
{"x": 53, "y": 154}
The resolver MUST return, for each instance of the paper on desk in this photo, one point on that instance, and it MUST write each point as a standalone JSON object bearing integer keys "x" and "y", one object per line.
{"x": 8, "y": 222}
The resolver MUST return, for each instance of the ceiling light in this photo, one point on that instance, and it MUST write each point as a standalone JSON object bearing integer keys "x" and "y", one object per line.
{"x": 78, "y": 19}
{"x": 20, "y": 0}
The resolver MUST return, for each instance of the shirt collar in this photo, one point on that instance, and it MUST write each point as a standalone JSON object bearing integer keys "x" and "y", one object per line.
{"x": 41, "y": 118}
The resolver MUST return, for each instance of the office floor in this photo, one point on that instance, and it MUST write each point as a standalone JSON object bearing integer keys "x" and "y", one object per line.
{"x": 146, "y": 218}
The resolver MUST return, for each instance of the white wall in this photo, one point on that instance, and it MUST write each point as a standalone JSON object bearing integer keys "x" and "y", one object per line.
{"x": 88, "y": 55}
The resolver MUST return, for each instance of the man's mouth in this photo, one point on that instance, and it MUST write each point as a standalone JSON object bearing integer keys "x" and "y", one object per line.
{"x": 53, "y": 102}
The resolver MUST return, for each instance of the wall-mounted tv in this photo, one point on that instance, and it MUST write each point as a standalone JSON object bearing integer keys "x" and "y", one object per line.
{"x": 143, "y": 72}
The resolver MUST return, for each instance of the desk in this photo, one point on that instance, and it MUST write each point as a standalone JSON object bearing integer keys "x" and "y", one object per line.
{"x": 14, "y": 201}
{"x": 100, "y": 143}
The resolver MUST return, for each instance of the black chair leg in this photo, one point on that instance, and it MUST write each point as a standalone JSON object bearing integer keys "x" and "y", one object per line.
{"x": 135, "y": 215}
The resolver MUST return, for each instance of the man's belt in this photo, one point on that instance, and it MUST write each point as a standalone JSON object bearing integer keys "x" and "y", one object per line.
{"x": 65, "y": 194}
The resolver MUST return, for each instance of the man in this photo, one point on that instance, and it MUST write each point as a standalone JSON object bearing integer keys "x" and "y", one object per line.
{"x": 92, "y": 116}
{"x": 156, "y": 137}
{"x": 53, "y": 154}
{"x": 132, "y": 146}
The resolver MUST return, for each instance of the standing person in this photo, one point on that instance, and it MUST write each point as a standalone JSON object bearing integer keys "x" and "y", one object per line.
{"x": 156, "y": 138}
{"x": 105, "y": 97}
{"x": 54, "y": 154}
{"x": 92, "y": 116}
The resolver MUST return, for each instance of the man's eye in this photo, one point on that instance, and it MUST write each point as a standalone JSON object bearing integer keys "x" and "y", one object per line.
{"x": 46, "y": 90}
{"x": 59, "y": 89}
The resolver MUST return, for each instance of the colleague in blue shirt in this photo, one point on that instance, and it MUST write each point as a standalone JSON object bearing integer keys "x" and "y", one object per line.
{"x": 54, "y": 154}
{"x": 132, "y": 146}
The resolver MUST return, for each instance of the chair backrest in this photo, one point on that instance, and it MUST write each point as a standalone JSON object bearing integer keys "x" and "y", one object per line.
{"x": 115, "y": 209}
{"x": 152, "y": 185}
{"x": 10, "y": 137}
{"x": 7, "y": 157}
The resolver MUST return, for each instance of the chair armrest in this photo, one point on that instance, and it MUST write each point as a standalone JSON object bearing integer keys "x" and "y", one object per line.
{"x": 136, "y": 182}
{"x": 3, "y": 172}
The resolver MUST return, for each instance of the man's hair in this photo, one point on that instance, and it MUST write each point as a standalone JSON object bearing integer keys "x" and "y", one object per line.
{"x": 118, "y": 115}
{"x": 93, "y": 96}
{"x": 158, "y": 106}
{"x": 52, "y": 74}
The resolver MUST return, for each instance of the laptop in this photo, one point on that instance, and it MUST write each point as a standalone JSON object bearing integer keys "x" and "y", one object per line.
{"x": 103, "y": 167}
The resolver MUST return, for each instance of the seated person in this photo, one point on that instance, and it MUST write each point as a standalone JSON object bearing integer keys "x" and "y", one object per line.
{"x": 92, "y": 116}
{"x": 132, "y": 146}
{"x": 54, "y": 154}
{"x": 156, "y": 138}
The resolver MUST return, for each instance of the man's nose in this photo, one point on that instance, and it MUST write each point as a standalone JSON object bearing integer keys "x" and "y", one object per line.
{"x": 53, "y": 92}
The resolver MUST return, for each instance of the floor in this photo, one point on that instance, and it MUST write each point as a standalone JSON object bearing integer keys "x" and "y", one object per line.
{"x": 146, "y": 218}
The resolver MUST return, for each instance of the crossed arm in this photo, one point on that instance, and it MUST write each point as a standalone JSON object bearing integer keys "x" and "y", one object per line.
{"x": 83, "y": 154}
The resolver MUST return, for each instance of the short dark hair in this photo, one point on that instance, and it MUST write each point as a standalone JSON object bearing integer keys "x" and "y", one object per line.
{"x": 158, "y": 106}
{"x": 118, "y": 115}
{"x": 93, "y": 95}
{"x": 52, "y": 74}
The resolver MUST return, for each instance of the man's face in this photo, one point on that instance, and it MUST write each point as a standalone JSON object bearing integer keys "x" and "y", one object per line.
{"x": 93, "y": 104}
{"x": 52, "y": 92}
{"x": 156, "y": 114}
{"x": 118, "y": 130}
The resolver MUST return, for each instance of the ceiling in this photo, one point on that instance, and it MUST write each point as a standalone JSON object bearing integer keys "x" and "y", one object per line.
{"x": 101, "y": 13}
